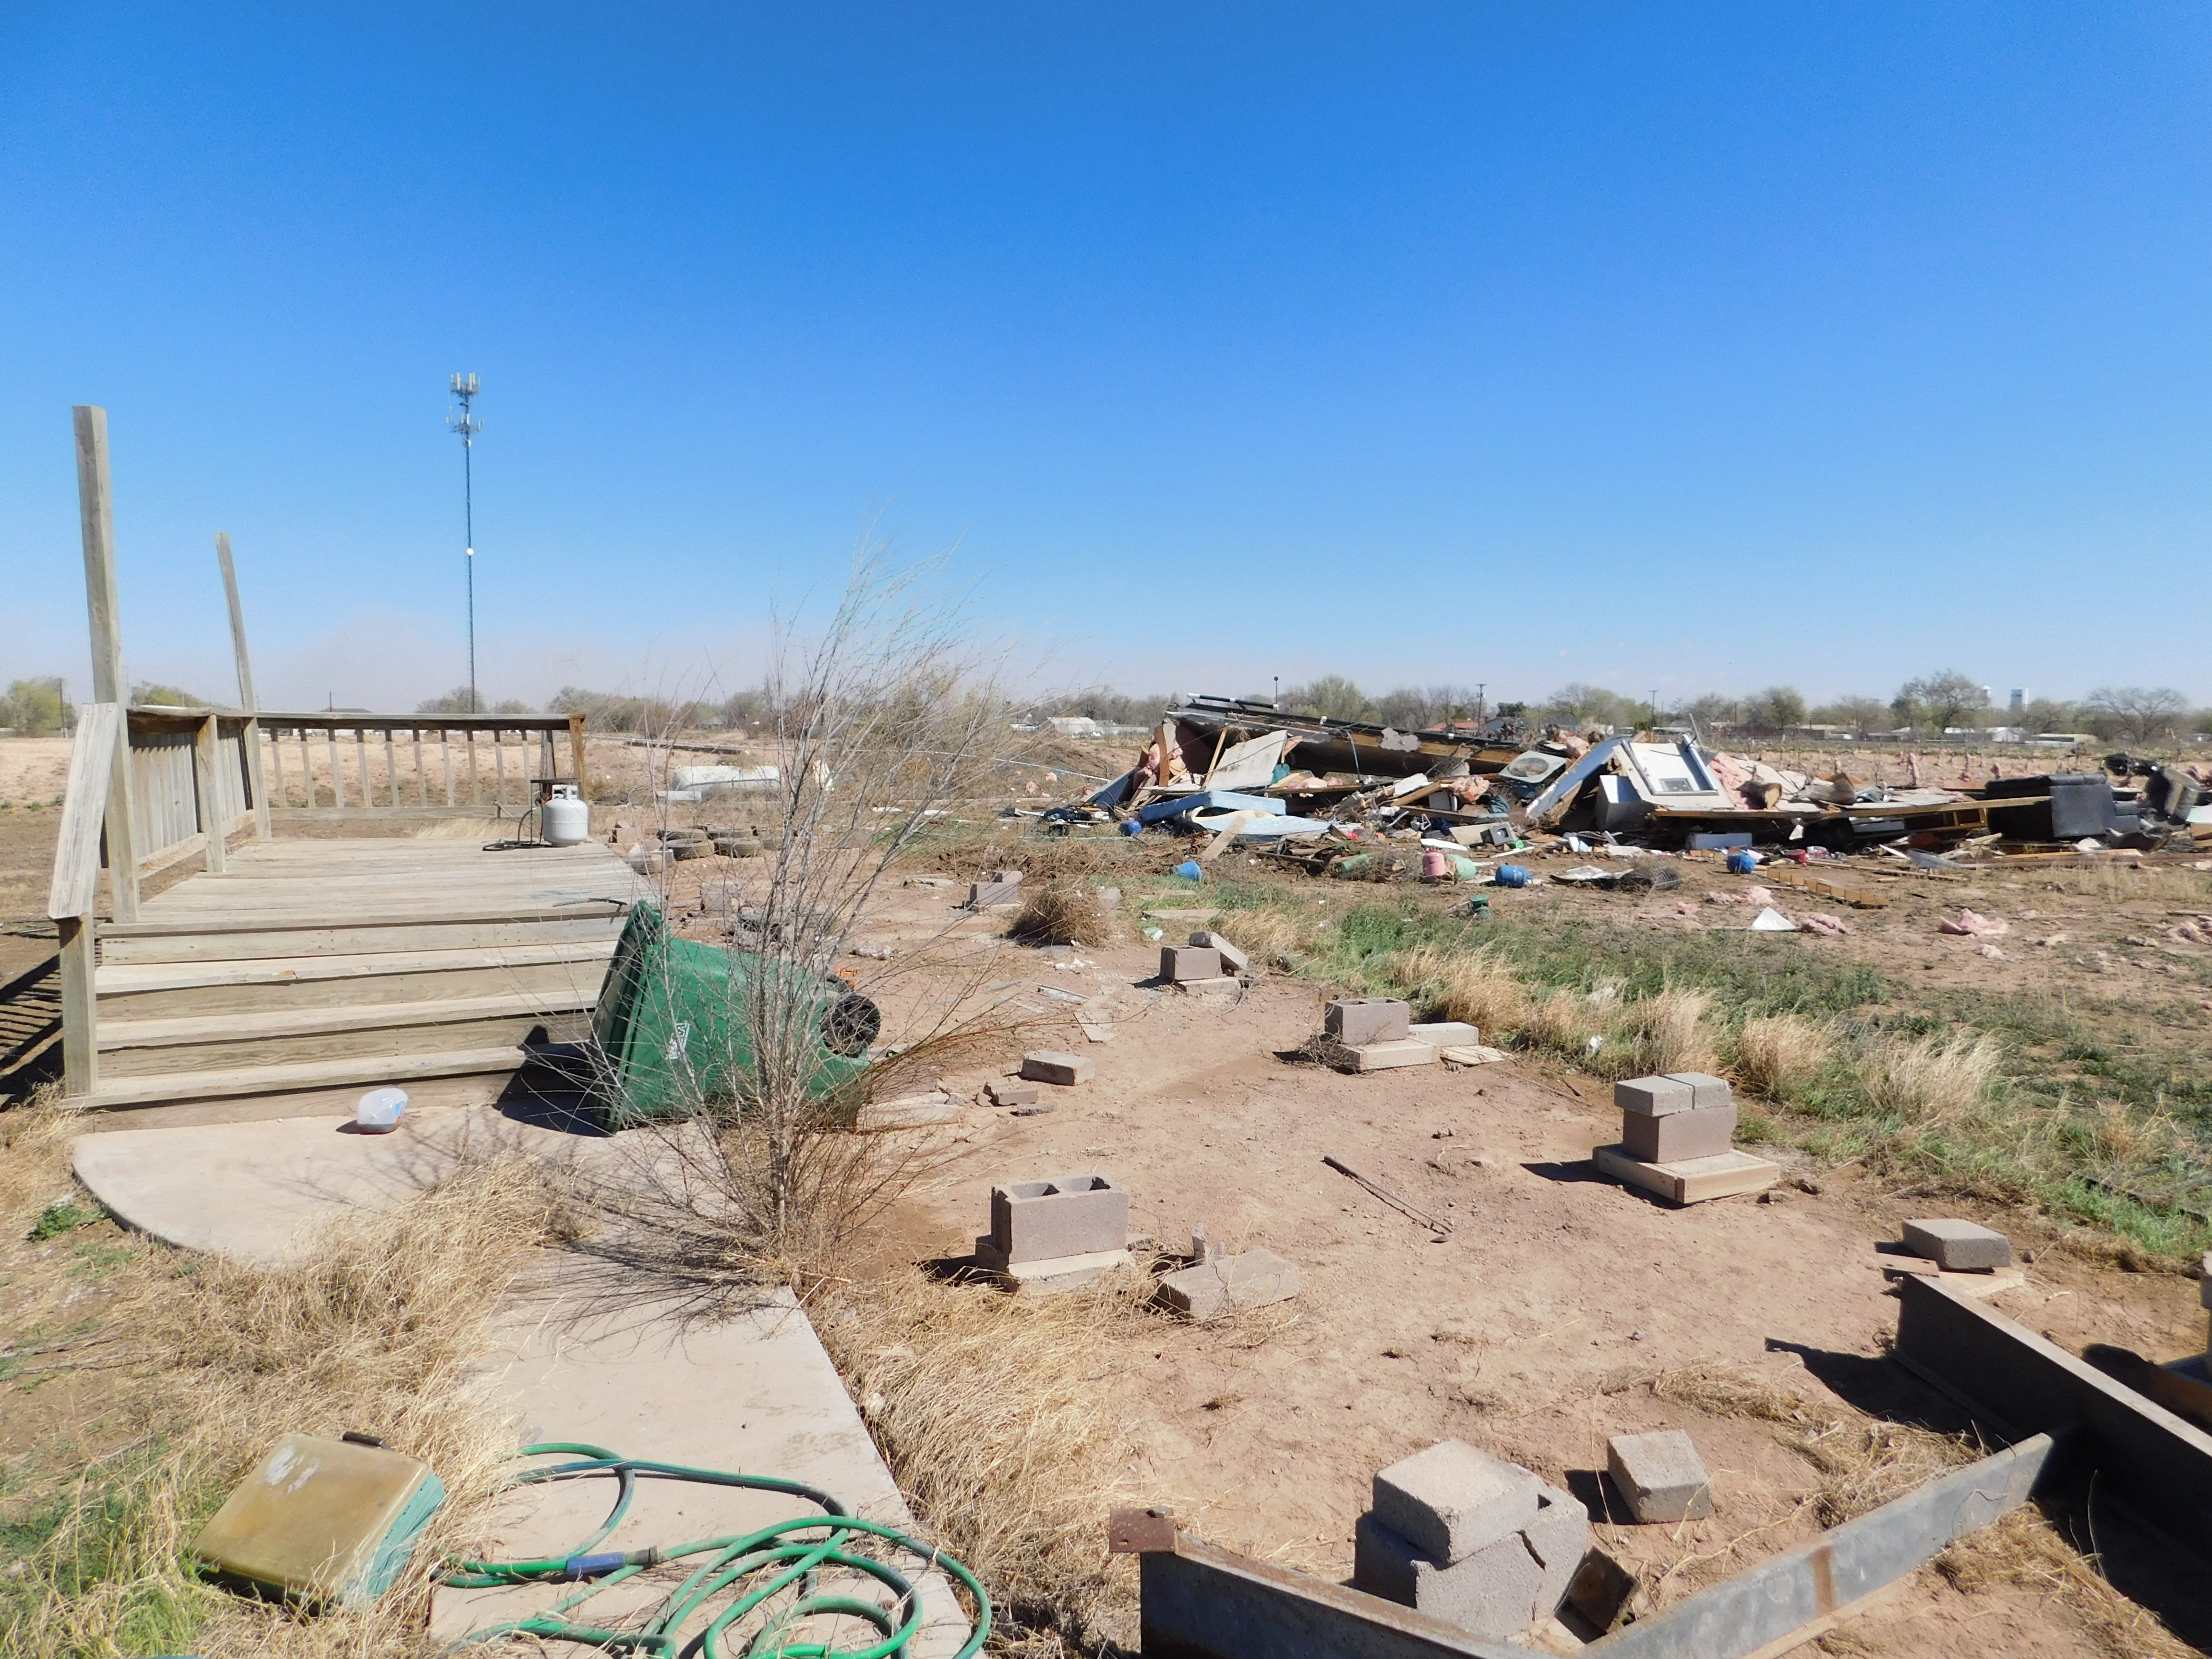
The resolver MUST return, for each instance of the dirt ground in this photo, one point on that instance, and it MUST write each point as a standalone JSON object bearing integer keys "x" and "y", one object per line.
{"x": 1562, "y": 1310}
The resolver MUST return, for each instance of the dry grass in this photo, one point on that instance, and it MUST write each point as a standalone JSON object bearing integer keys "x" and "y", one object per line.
{"x": 1670, "y": 1032}
{"x": 2024, "y": 1550}
{"x": 1264, "y": 934}
{"x": 1865, "y": 1465}
{"x": 1473, "y": 986}
{"x": 1778, "y": 1055}
{"x": 374, "y": 1327}
{"x": 994, "y": 1413}
{"x": 1565, "y": 1021}
{"x": 1724, "y": 1391}
{"x": 1931, "y": 1079}
{"x": 1061, "y": 913}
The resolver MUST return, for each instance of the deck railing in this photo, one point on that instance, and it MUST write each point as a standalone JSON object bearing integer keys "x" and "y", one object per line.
{"x": 337, "y": 763}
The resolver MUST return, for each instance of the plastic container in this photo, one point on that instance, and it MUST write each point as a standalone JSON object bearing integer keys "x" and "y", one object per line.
{"x": 565, "y": 820}
{"x": 1512, "y": 875}
{"x": 1435, "y": 866}
{"x": 1742, "y": 861}
{"x": 1465, "y": 869}
{"x": 1191, "y": 870}
{"x": 379, "y": 1111}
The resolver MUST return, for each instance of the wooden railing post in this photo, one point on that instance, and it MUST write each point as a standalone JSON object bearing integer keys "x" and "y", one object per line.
{"x": 576, "y": 748}
{"x": 75, "y": 890}
{"x": 205, "y": 790}
{"x": 254, "y": 779}
{"x": 96, "y": 510}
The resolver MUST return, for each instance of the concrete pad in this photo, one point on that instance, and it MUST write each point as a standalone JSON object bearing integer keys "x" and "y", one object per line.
{"x": 1446, "y": 1034}
{"x": 755, "y": 1393}
{"x": 245, "y": 1190}
{"x": 1224, "y": 1284}
{"x": 1053, "y": 1274}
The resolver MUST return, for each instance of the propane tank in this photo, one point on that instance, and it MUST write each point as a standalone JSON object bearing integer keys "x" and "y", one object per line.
{"x": 565, "y": 817}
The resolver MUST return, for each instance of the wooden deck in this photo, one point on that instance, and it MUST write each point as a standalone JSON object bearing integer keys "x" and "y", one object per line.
{"x": 326, "y": 965}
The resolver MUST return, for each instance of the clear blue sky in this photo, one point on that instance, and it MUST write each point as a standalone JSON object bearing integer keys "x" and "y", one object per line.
{"x": 1687, "y": 346}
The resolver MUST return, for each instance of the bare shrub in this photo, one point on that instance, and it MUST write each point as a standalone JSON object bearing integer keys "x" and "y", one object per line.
{"x": 1931, "y": 1080}
{"x": 1476, "y": 986}
{"x": 994, "y": 1412}
{"x": 1779, "y": 1056}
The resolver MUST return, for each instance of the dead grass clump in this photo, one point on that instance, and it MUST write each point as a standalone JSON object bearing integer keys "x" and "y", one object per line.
{"x": 1724, "y": 1391}
{"x": 2023, "y": 1549}
{"x": 1473, "y": 986}
{"x": 1866, "y": 1464}
{"x": 375, "y": 1326}
{"x": 1267, "y": 933}
{"x": 1061, "y": 913}
{"x": 1565, "y": 1021}
{"x": 1931, "y": 1079}
{"x": 1670, "y": 1032}
{"x": 1778, "y": 1055}
{"x": 994, "y": 1412}
{"x": 35, "y": 1171}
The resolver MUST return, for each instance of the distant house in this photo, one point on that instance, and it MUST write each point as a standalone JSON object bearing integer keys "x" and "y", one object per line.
{"x": 1075, "y": 726}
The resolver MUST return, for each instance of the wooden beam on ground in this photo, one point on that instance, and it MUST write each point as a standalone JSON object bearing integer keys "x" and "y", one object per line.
{"x": 1766, "y": 1604}
{"x": 96, "y": 511}
{"x": 2017, "y": 1382}
{"x": 262, "y": 826}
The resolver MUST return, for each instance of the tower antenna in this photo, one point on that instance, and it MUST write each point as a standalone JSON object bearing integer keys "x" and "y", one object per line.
{"x": 464, "y": 387}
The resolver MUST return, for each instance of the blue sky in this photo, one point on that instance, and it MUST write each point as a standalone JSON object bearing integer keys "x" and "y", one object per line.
{"x": 1690, "y": 348}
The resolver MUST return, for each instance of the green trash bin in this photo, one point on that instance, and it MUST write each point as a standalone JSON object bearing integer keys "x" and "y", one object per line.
{"x": 671, "y": 1034}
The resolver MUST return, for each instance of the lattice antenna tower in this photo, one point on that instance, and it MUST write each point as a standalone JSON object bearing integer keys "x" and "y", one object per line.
{"x": 464, "y": 388}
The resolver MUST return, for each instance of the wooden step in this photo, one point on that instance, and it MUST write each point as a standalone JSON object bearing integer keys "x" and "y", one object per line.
{"x": 365, "y": 1071}
{"x": 139, "y": 1048}
{"x": 174, "y": 990}
{"x": 247, "y": 940}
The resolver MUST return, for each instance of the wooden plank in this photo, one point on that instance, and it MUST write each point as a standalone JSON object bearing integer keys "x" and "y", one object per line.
{"x": 211, "y": 808}
{"x": 499, "y": 771}
{"x": 446, "y": 756}
{"x": 79, "y": 1039}
{"x": 475, "y": 784}
{"x": 120, "y": 979}
{"x": 179, "y": 928}
{"x": 360, "y": 755}
{"x": 248, "y": 941}
{"x": 76, "y": 887}
{"x": 422, "y": 778}
{"x": 576, "y": 751}
{"x": 391, "y": 768}
{"x": 1694, "y": 1180}
{"x": 385, "y": 1043}
{"x": 97, "y": 514}
{"x": 1844, "y": 892}
{"x": 191, "y": 1029}
{"x": 313, "y": 1074}
{"x": 1744, "y": 1615}
{"x": 276, "y": 768}
{"x": 338, "y": 772}
{"x": 548, "y": 981}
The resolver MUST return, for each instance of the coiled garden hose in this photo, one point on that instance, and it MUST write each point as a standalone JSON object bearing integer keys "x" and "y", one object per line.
{"x": 762, "y": 1563}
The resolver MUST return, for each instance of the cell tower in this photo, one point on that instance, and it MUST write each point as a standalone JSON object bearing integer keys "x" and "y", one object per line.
{"x": 464, "y": 387}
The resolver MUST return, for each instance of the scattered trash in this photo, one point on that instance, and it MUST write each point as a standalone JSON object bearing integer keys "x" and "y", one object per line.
{"x": 1832, "y": 926}
{"x": 1511, "y": 875}
{"x": 1971, "y": 925}
{"x": 1771, "y": 921}
{"x": 379, "y": 1111}
{"x": 1191, "y": 870}
{"x": 1742, "y": 862}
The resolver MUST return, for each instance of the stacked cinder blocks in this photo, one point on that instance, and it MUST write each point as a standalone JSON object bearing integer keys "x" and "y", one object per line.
{"x": 1470, "y": 1539}
{"x": 1665, "y": 1119}
{"x": 1373, "y": 1034}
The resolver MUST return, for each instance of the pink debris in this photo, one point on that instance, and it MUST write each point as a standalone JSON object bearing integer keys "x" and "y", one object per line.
{"x": 1972, "y": 925}
{"x": 1833, "y": 927}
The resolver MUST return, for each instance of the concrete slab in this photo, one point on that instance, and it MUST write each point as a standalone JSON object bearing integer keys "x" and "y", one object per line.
{"x": 755, "y": 1393}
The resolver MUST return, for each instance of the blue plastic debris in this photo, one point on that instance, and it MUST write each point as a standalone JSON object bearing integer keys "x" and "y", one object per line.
{"x": 1190, "y": 870}
{"x": 1512, "y": 875}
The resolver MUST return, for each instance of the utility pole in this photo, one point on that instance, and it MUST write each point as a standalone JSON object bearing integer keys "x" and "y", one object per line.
{"x": 1655, "y": 709}
{"x": 464, "y": 387}
{"x": 1481, "y": 702}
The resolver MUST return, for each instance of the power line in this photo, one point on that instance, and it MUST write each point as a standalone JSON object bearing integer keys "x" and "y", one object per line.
{"x": 464, "y": 387}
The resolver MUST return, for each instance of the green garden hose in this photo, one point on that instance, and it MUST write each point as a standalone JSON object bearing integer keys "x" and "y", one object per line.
{"x": 762, "y": 1565}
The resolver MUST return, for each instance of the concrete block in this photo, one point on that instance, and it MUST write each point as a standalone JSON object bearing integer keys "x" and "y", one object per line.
{"x": 1957, "y": 1246}
{"x": 1048, "y": 1065}
{"x": 1353, "y": 1021}
{"x": 1559, "y": 1538}
{"x": 1701, "y": 1132}
{"x": 1003, "y": 1093}
{"x": 1450, "y": 1500}
{"x": 1207, "y": 987}
{"x": 1653, "y": 1096}
{"x": 1179, "y": 963}
{"x": 985, "y": 895}
{"x": 908, "y": 1112}
{"x": 1660, "y": 1476}
{"x": 1235, "y": 961}
{"x": 1227, "y": 1284}
{"x": 1066, "y": 1215}
{"x": 1387, "y": 1056}
{"x": 1706, "y": 1091}
{"x": 1446, "y": 1034}
{"x": 1052, "y": 1274}
{"x": 1493, "y": 1593}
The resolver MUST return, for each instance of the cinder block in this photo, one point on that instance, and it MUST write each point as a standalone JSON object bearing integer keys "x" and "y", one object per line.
{"x": 1068, "y": 1215}
{"x": 1446, "y": 1034}
{"x": 1355, "y": 1021}
{"x": 1238, "y": 962}
{"x": 1450, "y": 1500}
{"x": 1179, "y": 963}
{"x": 1226, "y": 1283}
{"x": 1706, "y": 1091}
{"x": 1653, "y": 1096}
{"x": 1493, "y": 1593}
{"x": 1559, "y": 1538}
{"x": 984, "y": 895}
{"x": 1048, "y": 1065}
{"x": 1660, "y": 1476}
{"x": 1957, "y": 1246}
{"x": 1003, "y": 1093}
{"x": 1702, "y": 1132}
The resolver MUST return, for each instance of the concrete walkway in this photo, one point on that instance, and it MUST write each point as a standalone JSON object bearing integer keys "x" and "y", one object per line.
{"x": 754, "y": 1393}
